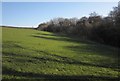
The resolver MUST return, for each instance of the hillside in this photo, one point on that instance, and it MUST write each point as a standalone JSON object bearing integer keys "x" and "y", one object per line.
{"x": 31, "y": 54}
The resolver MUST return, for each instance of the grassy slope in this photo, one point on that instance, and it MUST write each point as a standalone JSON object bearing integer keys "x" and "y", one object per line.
{"x": 30, "y": 53}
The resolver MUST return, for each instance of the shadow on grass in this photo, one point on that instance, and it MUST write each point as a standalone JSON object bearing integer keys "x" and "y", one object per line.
{"x": 51, "y": 58}
{"x": 97, "y": 49}
{"x": 91, "y": 48}
{"x": 68, "y": 60}
{"x": 88, "y": 47}
{"x": 47, "y": 57}
{"x": 76, "y": 40}
{"x": 11, "y": 44}
{"x": 62, "y": 38}
{"x": 47, "y": 77}
{"x": 49, "y": 34}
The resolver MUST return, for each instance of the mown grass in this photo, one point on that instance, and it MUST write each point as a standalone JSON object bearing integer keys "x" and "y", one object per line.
{"x": 37, "y": 55}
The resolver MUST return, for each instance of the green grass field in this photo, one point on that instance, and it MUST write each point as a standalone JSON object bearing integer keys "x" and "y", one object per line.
{"x": 33, "y": 54}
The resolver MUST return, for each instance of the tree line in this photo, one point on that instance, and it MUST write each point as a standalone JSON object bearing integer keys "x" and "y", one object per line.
{"x": 95, "y": 27}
